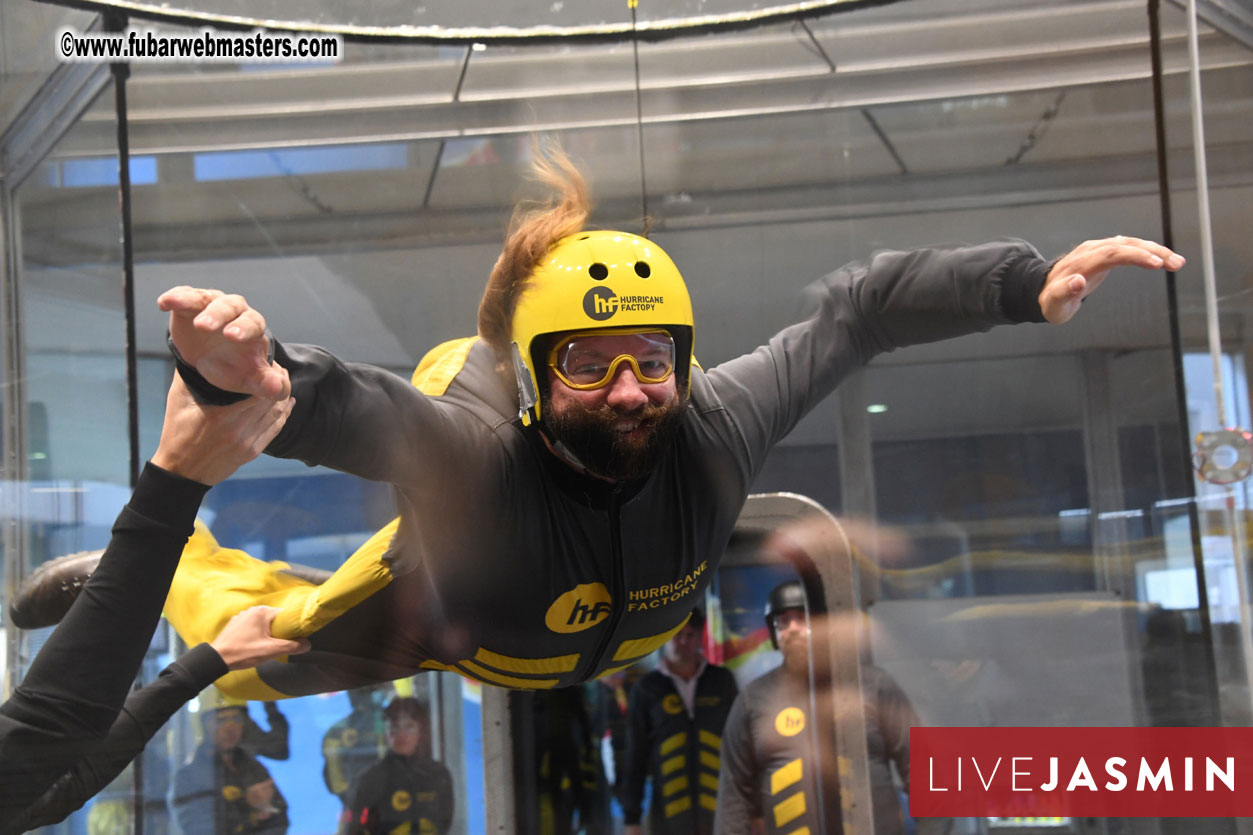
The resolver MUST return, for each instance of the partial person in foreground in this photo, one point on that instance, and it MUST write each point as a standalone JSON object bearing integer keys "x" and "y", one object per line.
{"x": 769, "y": 781}
{"x": 571, "y": 471}
{"x": 70, "y": 726}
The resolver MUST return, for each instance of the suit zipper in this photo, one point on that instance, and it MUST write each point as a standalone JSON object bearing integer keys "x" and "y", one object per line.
{"x": 617, "y": 586}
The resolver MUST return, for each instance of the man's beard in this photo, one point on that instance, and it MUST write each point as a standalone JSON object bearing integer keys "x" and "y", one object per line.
{"x": 590, "y": 436}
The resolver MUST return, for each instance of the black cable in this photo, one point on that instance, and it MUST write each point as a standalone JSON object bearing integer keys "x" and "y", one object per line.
{"x": 1176, "y": 354}
{"x": 639, "y": 118}
{"x": 443, "y": 143}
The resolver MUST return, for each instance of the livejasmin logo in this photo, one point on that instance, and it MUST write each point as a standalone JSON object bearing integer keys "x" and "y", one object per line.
{"x": 1081, "y": 772}
{"x": 1022, "y": 771}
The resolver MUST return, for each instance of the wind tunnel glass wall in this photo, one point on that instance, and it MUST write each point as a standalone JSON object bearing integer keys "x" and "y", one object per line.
{"x": 72, "y": 379}
{"x": 361, "y": 205}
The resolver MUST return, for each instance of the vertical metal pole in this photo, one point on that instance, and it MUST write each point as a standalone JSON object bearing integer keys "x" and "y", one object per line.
{"x": 1176, "y": 351}
{"x": 114, "y": 22}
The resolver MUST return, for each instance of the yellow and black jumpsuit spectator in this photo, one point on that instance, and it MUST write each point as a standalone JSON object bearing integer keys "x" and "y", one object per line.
{"x": 674, "y": 738}
{"x": 407, "y": 792}
{"x": 354, "y": 743}
{"x": 224, "y": 790}
{"x": 769, "y": 780}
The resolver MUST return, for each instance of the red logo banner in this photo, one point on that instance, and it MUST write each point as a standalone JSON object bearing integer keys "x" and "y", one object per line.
{"x": 1081, "y": 772}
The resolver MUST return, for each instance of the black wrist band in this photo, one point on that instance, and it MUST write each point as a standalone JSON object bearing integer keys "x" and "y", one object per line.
{"x": 201, "y": 389}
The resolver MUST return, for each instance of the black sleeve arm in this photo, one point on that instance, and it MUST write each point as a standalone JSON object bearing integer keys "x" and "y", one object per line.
{"x": 273, "y": 743}
{"x": 144, "y": 713}
{"x": 51, "y": 720}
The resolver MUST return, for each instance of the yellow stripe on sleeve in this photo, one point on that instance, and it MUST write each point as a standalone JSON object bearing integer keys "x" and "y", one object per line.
{"x": 785, "y": 776}
{"x": 483, "y": 674}
{"x": 674, "y": 786}
{"x": 675, "y": 807}
{"x": 789, "y": 810}
{"x": 670, "y": 743}
{"x": 528, "y": 666}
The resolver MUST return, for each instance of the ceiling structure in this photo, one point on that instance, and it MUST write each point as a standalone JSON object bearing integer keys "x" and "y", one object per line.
{"x": 747, "y": 144}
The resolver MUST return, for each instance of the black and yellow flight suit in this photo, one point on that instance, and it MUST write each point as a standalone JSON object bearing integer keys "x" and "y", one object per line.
{"x": 349, "y": 747}
{"x": 768, "y": 758}
{"x": 400, "y": 796}
{"x": 679, "y": 751}
{"x": 581, "y": 577}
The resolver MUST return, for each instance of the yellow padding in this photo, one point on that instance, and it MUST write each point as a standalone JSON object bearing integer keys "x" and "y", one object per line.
{"x": 788, "y": 775}
{"x": 804, "y": 830}
{"x": 670, "y": 743}
{"x": 709, "y": 781}
{"x": 213, "y": 583}
{"x": 712, "y": 740}
{"x": 360, "y": 576}
{"x": 674, "y": 786}
{"x": 528, "y": 666}
{"x": 441, "y": 364}
{"x": 673, "y": 764}
{"x": 790, "y": 809}
{"x": 711, "y": 761}
{"x": 485, "y": 675}
{"x": 675, "y": 807}
{"x": 708, "y": 801}
{"x": 639, "y": 647}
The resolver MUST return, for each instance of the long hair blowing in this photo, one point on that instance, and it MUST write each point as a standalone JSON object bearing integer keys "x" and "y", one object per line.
{"x": 534, "y": 228}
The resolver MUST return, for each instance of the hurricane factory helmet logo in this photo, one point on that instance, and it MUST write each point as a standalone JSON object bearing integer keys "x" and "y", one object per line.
{"x": 581, "y": 608}
{"x": 790, "y": 721}
{"x": 600, "y": 303}
{"x": 671, "y": 704}
{"x": 401, "y": 800}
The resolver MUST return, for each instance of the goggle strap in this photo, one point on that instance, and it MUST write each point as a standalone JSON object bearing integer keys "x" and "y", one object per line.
{"x": 527, "y": 396}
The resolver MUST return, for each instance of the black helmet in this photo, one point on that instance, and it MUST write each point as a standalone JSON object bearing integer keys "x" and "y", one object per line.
{"x": 789, "y": 595}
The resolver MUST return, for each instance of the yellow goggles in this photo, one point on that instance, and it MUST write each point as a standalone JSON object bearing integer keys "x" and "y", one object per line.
{"x": 590, "y": 359}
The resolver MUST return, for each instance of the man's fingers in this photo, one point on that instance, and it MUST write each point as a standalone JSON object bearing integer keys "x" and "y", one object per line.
{"x": 246, "y": 326}
{"x": 185, "y": 299}
{"x": 222, "y": 311}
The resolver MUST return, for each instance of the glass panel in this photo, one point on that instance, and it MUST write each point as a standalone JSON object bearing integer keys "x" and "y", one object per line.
{"x": 73, "y": 375}
{"x": 1033, "y": 477}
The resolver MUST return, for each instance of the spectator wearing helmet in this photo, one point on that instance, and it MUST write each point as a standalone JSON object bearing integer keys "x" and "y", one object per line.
{"x": 224, "y": 789}
{"x": 768, "y": 781}
{"x": 674, "y": 737}
{"x": 571, "y": 470}
{"x": 406, "y": 791}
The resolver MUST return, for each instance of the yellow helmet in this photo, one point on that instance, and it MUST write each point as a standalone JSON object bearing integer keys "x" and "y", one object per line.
{"x": 593, "y": 281}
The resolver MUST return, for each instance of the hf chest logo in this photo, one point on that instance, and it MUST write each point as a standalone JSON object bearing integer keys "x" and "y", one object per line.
{"x": 581, "y": 608}
{"x": 790, "y": 721}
